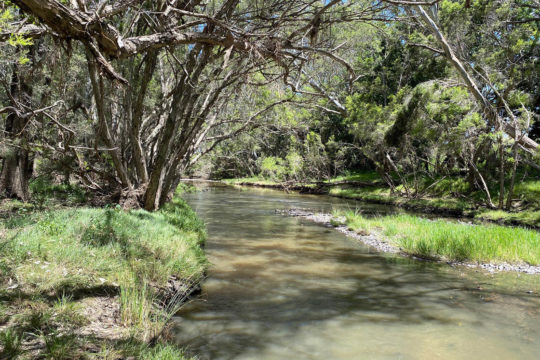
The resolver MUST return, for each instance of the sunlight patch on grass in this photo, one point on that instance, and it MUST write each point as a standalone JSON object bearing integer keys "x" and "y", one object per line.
{"x": 363, "y": 176}
{"x": 527, "y": 217}
{"x": 382, "y": 195}
{"x": 81, "y": 248}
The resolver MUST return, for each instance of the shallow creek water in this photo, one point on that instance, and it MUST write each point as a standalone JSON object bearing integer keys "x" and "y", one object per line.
{"x": 285, "y": 288}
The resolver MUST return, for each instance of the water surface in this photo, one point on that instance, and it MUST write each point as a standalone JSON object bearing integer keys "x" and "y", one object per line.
{"x": 286, "y": 288}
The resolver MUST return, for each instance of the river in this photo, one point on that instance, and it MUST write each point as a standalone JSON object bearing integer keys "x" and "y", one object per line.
{"x": 286, "y": 288}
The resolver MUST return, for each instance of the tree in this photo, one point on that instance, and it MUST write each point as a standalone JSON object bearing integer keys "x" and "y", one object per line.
{"x": 171, "y": 68}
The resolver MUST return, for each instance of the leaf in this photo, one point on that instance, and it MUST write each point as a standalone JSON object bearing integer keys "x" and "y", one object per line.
{"x": 23, "y": 60}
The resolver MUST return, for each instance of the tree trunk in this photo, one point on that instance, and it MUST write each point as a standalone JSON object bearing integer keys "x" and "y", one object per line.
{"x": 137, "y": 114}
{"x": 501, "y": 173}
{"x": 16, "y": 173}
{"x": 514, "y": 169}
{"x": 157, "y": 176}
{"x": 18, "y": 166}
{"x": 104, "y": 132}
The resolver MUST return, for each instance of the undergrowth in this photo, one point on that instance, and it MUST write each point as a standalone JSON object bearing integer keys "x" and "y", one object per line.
{"x": 52, "y": 260}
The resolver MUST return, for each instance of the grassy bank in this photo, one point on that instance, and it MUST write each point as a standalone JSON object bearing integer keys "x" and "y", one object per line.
{"x": 96, "y": 283}
{"x": 443, "y": 196}
{"x": 441, "y": 239}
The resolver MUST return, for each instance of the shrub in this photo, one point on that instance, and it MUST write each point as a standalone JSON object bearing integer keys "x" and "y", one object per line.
{"x": 274, "y": 168}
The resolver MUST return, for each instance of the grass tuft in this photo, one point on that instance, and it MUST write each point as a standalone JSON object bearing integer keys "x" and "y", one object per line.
{"x": 60, "y": 347}
{"x": 163, "y": 352}
{"x": 11, "y": 343}
{"x": 136, "y": 308}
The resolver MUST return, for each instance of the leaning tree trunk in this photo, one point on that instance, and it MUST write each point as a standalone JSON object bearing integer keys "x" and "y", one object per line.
{"x": 514, "y": 169}
{"x": 17, "y": 166}
{"x": 510, "y": 129}
{"x": 501, "y": 173}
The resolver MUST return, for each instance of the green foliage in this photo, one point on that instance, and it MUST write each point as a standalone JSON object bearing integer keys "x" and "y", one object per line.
{"x": 163, "y": 352}
{"x": 11, "y": 343}
{"x": 453, "y": 241}
{"x": 274, "y": 168}
{"x": 529, "y": 191}
{"x": 294, "y": 165}
{"x": 45, "y": 193}
{"x": 449, "y": 187}
{"x": 19, "y": 40}
{"x": 60, "y": 347}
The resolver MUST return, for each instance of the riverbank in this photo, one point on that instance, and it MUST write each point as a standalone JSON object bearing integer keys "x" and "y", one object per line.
{"x": 99, "y": 283}
{"x": 368, "y": 188}
{"x": 490, "y": 247}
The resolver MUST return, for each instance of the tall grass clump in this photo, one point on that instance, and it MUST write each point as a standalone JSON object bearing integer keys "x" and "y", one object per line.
{"x": 11, "y": 343}
{"x": 452, "y": 240}
{"x": 137, "y": 307}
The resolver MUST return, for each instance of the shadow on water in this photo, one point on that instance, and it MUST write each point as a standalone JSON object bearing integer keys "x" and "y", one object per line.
{"x": 283, "y": 287}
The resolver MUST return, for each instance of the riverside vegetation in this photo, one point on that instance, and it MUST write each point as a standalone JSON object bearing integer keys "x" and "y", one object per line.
{"x": 434, "y": 239}
{"x": 452, "y": 241}
{"x": 450, "y": 196}
{"x": 100, "y": 283}
{"x": 106, "y": 105}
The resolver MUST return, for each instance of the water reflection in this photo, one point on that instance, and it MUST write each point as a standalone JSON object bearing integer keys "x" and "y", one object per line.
{"x": 284, "y": 288}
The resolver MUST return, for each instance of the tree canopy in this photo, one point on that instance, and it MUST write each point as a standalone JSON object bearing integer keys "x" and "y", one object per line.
{"x": 127, "y": 96}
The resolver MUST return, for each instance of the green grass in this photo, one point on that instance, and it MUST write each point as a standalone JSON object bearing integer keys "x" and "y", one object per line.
{"x": 56, "y": 258}
{"x": 451, "y": 240}
{"x": 382, "y": 195}
{"x": 77, "y": 248}
{"x": 11, "y": 344}
{"x": 361, "y": 176}
{"x": 526, "y": 217}
{"x": 529, "y": 191}
{"x": 163, "y": 352}
{"x": 60, "y": 347}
